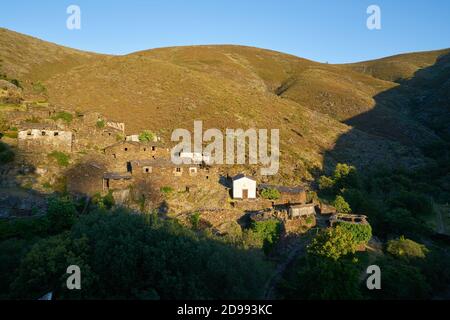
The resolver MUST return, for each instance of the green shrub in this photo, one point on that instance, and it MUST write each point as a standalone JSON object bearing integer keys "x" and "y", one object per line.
{"x": 195, "y": 220}
{"x": 11, "y": 134}
{"x": 61, "y": 213}
{"x": 361, "y": 233}
{"x": 101, "y": 124}
{"x": 61, "y": 158}
{"x": 120, "y": 137}
{"x": 325, "y": 183}
{"x": 24, "y": 228}
{"x": 166, "y": 190}
{"x": 146, "y": 136}
{"x": 270, "y": 194}
{"x": 104, "y": 202}
{"x": 341, "y": 205}
{"x": 38, "y": 88}
{"x": 333, "y": 243}
{"x": 403, "y": 247}
{"x": 65, "y": 116}
{"x": 311, "y": 196}
{"x": 267, "y": 231}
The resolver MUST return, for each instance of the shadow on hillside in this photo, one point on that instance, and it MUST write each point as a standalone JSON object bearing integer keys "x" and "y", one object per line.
{"x": 410, "y": 116}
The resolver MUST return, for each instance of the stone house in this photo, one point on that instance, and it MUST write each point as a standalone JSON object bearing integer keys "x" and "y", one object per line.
{"x": 244, "y": 187}
{"x": 121, "y": 154}
{"x": 164, "y": 172}
{"x": 116, "y": 181}
{"x": 85, "y": 178}
{"x": 39, "y": 138}
{"x": 301, "y": 210}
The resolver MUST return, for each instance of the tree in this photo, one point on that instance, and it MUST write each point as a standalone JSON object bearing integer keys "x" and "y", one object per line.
{"x": 401, "y": 281}
{"x": 345, "y": 176}
{"x": 316, "y": 278}
{"x": 126, "y": 256}
{"x": 341, "y": 205}
{"x": 406, "y": 248}
{"x": 361, "y": 233}
{"x": 333, "y": 243}
{"x": 267, "y": 231}
{"x": 325, "y": 183}
{"x": 61, "y": 213}
{"x": 401, "y": 221}
{"x": 44, "y": 268}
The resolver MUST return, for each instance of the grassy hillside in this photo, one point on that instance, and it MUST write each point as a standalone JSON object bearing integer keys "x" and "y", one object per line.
{"x": 399, "y": 67}
{"x": 31, "y": 59}
{"x": 316, "y": 106}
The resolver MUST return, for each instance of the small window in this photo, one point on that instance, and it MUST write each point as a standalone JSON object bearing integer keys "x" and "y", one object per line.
{"x": 109, "y": 133}
{"x": 29, "y": 133}
{"x": 153, "y": 148}
{"x": 178, "y": 170}
{"x": 43, "y": 133}
{"x": 145, "y": 149}
{"x": 56, "y": 134}
{"x": 148, "y": 169}
{"x": 126, "y": 149}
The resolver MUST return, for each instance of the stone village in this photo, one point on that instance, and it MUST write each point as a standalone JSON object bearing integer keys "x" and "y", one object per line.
{"x": 140, "y": 174}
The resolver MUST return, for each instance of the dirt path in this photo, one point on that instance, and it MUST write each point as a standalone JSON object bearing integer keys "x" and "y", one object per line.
{"x": 297, "y": 249}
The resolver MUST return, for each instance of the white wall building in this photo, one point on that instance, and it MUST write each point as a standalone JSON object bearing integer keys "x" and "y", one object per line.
{"x": 244, "y": 187}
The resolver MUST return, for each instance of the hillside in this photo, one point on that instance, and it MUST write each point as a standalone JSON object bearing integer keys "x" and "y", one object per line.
{"x": 352, "y": 113}
{"x": 31, "y": 59}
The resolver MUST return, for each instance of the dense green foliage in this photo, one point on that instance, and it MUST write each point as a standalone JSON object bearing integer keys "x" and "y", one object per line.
{"x": 315, "y": 278}
{"x": 103, "y": 202}
{"x": 61, "y": 214}
{"x": 270, "y": 194}
{"x": 146, "y": 136}
{"x": 406, "y": 248}
{"x": 361, "y": 233}
{"x": 166, "y": 190}
{"x": 393, "y": 200}
{"x": 167, "y": 262}
{"x": 333, "y": 243}
{"x": 123, "y": 256}
{"x": 267, "y": 231}
{"x": 341, "y": 205}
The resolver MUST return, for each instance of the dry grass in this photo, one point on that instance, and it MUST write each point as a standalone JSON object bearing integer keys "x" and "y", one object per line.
{"x": 226, "y": 87}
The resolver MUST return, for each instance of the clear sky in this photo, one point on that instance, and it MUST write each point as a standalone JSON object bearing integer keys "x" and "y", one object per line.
{"x": 321, "y": 30}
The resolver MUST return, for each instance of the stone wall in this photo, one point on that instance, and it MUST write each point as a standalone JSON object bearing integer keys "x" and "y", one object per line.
{"x": 36, "y": 140}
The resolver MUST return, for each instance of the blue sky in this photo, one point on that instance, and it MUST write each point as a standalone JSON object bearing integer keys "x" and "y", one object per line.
{"x": 321, "y": 30}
